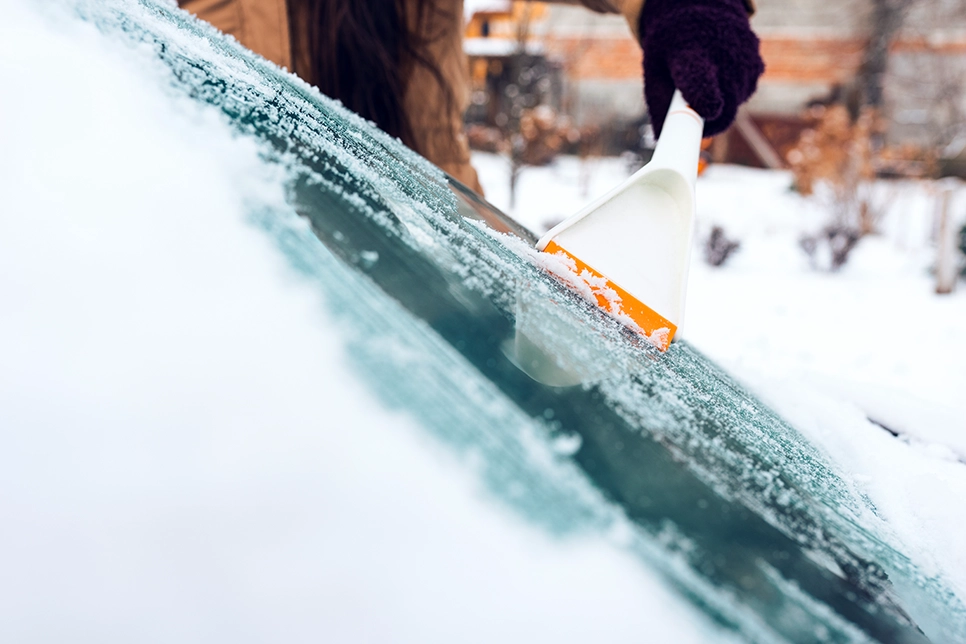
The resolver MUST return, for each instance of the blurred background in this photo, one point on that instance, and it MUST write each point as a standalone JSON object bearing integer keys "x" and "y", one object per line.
{"x": 831, "y": 216}
{"x": 854, "y": 91}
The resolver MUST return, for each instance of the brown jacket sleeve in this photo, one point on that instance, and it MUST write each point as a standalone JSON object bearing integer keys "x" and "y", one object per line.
{"x": 630, "y": 9}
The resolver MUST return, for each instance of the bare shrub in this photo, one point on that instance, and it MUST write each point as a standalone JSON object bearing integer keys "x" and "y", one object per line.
{"x": 834, "y": 161}
{"x": 830, "y": 249}
{"x": 962, "y": 248}
{"x": 718, "y": 247}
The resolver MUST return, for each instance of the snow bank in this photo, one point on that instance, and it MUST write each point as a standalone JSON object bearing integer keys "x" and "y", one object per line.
{"x": 186, "y": 455}
{"x": 843, "y": 355}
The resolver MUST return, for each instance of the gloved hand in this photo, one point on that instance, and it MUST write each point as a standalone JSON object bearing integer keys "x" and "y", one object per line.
{"x": 706, "y": 49}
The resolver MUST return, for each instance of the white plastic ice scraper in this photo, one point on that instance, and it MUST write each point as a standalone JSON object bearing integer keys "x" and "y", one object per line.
{"x": 632, "y": 247}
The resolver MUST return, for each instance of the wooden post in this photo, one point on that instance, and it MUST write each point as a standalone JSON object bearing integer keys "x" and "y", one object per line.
{"x": 719, "y": 147}
{"x": 946, "y": 264}
{"x": 754, "y": 137}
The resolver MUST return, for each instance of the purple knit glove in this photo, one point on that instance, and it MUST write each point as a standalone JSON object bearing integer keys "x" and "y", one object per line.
{"x": 706, "y": 49}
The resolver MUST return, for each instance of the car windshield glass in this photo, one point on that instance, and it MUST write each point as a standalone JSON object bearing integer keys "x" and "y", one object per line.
{"x": 575, "y": 421}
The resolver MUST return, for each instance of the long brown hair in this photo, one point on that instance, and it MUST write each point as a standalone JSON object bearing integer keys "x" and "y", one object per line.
{"x": 362, "y": 52}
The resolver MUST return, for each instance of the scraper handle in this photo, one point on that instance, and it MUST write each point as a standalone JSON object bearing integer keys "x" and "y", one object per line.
{"x": 679, "y": 146}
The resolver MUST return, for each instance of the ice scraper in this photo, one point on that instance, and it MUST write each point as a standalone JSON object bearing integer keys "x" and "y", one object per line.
{"x": 631, "y": 248}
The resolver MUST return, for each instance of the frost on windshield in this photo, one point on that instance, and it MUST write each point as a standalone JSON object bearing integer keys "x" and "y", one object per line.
{"x": 666, "y": 451}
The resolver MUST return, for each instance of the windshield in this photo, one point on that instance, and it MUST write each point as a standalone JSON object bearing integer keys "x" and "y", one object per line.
{"x": 452, "y": 314}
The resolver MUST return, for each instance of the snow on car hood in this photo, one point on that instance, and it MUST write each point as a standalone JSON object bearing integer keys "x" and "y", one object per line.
{"x": 187, "y": 455}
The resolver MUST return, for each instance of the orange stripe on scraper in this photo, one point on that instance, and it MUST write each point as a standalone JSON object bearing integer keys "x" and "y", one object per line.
{"x": 659, "y": 330}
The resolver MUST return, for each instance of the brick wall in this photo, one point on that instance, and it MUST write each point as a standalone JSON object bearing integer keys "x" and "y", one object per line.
{"x": 808, "y": 59}
{"x": 597, "y": 59}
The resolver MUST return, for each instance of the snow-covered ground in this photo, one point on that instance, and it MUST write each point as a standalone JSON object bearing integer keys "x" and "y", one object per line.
{"x": 837, "y": 354}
